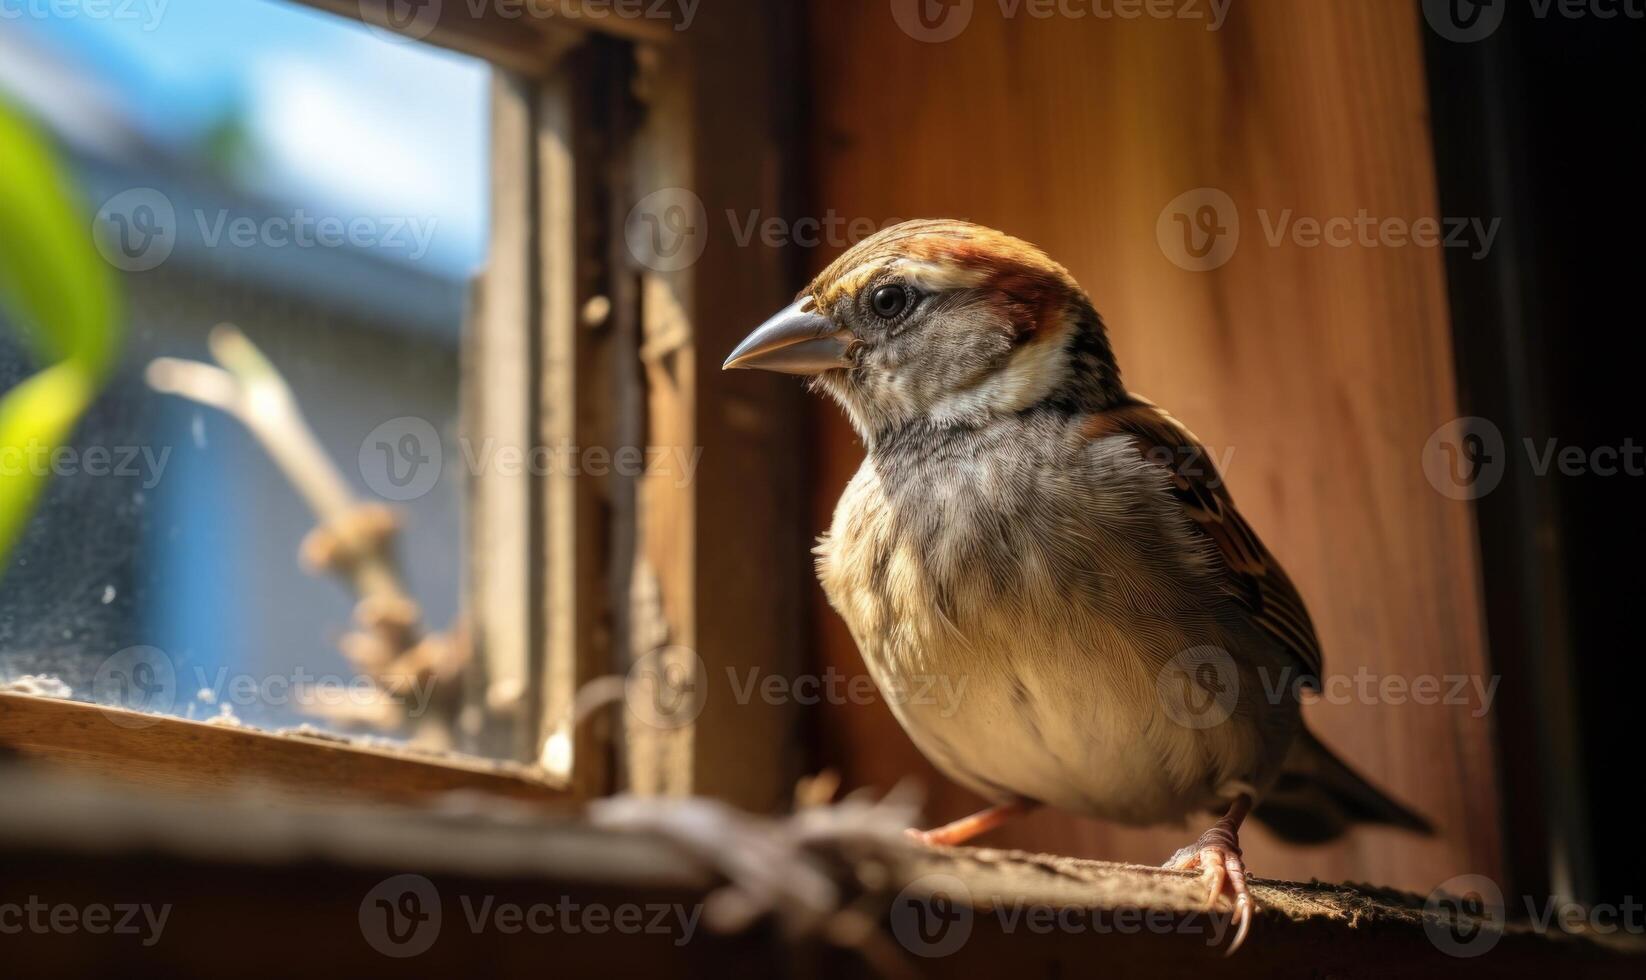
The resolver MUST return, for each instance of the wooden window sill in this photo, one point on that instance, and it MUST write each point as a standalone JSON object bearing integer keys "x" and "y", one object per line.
{"x": 200, "y": 759}
{"x": 250, "y": 882}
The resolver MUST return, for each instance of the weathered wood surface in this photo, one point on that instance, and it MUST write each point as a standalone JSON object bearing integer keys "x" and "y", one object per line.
{"x": 271, "y": 888}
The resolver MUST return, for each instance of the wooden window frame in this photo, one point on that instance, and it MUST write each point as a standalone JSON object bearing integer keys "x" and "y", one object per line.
{"x": 627, "y": 355}
{"x": 573, "y": 578}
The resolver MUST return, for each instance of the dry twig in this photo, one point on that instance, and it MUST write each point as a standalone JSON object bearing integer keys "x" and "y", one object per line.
{"x": 352, "y": 539}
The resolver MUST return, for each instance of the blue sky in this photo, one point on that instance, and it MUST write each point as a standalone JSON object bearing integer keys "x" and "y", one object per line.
{"x": 341, "y": 117}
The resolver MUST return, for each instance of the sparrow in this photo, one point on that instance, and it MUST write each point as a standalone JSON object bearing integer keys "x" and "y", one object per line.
{"x": 1024, "y": 522}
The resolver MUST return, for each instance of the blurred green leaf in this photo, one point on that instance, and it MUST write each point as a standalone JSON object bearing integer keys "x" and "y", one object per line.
{"x": 58, "y": 291}
{"x": 35, "y": 418}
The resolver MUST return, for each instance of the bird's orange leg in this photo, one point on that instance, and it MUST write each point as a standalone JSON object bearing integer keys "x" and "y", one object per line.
{"x": 1217, "y": 856}
{"x": 966, "y": 828}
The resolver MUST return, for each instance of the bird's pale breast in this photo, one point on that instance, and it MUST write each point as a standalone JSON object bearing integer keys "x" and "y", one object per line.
{"x": 1026, "y": 600}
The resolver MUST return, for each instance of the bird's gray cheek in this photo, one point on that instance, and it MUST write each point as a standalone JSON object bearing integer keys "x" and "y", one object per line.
{"x": 885, "y": 368}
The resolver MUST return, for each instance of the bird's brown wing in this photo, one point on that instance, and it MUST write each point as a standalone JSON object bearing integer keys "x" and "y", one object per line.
{"x": 1255, "y": 578}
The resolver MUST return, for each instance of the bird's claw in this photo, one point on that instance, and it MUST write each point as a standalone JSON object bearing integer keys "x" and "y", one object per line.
{"x": 1221, "y": 866}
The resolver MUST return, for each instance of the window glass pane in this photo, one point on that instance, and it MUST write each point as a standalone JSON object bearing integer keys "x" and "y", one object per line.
{"x": 322, "y": 187}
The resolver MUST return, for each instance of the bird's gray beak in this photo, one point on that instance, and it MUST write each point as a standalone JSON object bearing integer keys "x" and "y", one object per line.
{"x": 793, "y": 342}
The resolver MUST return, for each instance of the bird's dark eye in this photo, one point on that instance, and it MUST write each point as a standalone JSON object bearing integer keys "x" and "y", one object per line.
{"x": 889, "y": 301}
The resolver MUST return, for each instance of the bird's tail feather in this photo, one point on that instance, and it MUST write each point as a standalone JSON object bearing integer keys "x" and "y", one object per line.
{"x": 1318, "y": 797}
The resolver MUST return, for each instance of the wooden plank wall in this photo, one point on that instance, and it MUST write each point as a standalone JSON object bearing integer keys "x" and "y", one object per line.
{"x": 746, "y": 545}
{"x": 1324, "y": 370}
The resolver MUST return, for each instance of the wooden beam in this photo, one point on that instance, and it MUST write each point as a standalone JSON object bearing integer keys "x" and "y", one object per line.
{"x": 750, "y": 555}
{"x": 722, "y": 563}
{"x": 521, "y": 35}
{"x": 197, "y": 759}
